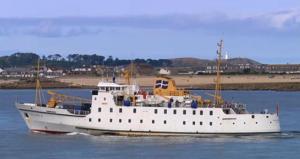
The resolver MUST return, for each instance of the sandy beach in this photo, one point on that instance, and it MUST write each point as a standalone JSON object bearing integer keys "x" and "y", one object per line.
{"x": 190, "y": 81}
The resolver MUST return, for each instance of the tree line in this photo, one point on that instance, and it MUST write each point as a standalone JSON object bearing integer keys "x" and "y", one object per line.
{"x": 73, "y": 60}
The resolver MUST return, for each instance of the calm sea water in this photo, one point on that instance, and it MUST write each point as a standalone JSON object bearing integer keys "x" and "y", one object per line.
{"x": 16, "y": 141}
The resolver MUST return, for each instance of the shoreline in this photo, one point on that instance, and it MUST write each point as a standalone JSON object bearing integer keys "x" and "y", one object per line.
{"x": 233, "y": 82}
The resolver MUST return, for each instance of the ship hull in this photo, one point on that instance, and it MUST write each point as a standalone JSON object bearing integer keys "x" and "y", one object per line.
{"x": 61, "y": 121}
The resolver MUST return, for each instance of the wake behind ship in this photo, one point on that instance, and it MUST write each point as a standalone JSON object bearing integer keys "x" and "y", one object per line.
{"x": 125, "y": 109}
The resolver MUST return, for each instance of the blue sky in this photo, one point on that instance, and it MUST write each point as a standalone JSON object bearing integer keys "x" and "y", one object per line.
{"x": 264, "y": 30}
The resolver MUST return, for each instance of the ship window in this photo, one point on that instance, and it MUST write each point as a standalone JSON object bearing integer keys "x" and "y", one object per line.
{"x": 99, "y": 109}
{"x": 174, "y": 111}
{"x": 201, "y": 112}
{"x": 153, "y": 121}
{"x": 183, "y": 122}
{"x": 155, "y": 111}
{"x": 253, "y": 116}
{"x": 211, "y": 112}
{"x": 267, "y": 116}
{"x": 210, "y": 123}
{"x": 165, "y": 111}
{"x": 165, "y": 122}
{"x": 99, "y": 120}
{"x": 95, "y": 92}
{"x": 90, "y": 119}
{"x": 118, "y": 88}
{"x": 120, "y": 120}
{"x": 111, "y": 110}
{"x": 110, "y": 120}
{"x": 141, "y": 121}
{"x": 120, "y": 110}
{"x": 134, "y": 110}
{"x": 201, "y": 123}
{"x": 129, "y": 120}
{"x": 95, "y": 98}
{"x": 194, "y": 112}
{"x": 193, "y": 123}
{"x": 184, "y": 112}
{"x": 104, "y": 99}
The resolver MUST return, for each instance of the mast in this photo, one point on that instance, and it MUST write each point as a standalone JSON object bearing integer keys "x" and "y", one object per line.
{"x": 38, "y": 87}
{"x": 217, "y": 97}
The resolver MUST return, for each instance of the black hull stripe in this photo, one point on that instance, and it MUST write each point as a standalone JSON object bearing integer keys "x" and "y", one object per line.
{"x": 52, "y": 113}
{"x": 116, "y": 132}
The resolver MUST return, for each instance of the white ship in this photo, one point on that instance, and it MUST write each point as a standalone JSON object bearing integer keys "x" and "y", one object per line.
{"x": 121, "y": 109}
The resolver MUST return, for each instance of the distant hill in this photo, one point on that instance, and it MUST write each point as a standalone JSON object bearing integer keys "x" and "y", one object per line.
{"x": 189, "y": 62}
{"x": 236, "y": 61}
{"x": 196, "y": 62}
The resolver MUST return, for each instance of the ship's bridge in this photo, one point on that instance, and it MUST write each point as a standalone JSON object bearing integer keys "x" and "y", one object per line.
{"x": 106, "y": 86}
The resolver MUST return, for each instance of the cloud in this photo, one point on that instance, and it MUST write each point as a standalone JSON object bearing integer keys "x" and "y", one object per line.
{"x": 278, "y": 23}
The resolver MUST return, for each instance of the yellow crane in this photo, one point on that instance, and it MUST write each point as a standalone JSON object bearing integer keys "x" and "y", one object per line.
{"x": 57, "y": 98}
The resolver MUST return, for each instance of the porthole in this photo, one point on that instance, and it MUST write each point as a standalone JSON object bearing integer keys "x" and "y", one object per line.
{"x": 184, "y": 112}
{"x": 174, "y": 111}
{"x": 120, "y": 120}
{"x": 252, "y": 116}
{"x": 155, "y": 111}
{"x": 111, "y": 110}
{"x": 165, "y": 111}
{"x": 95, "y": 98}
{"x": 267, "y": 116}
{"x": 134, "y": 110}
{"x": 90, "y": 119}
{"x": 153, "y": 121}
{"x": 194, "y": 112}
{"x": 256, "y": 123}
{"x": 26, "y": 115}
{"x": 201, "y": 123}
{"x": 211, "y": 112}
{"x": 110, "y": 120}
{"x": 210, "y": 123}
{"x": 183, "y": 122}
{"x": 99, "y": 109}
{"x": 165, "y": 122}
{"x": 99, "y": 120}
{"x": 129, "y": 120}
{"x": 120, "y": 110}
{"x": 141, "y": 121}
{"x": 193, "y": 123}
{"x": 104, "y": 99}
